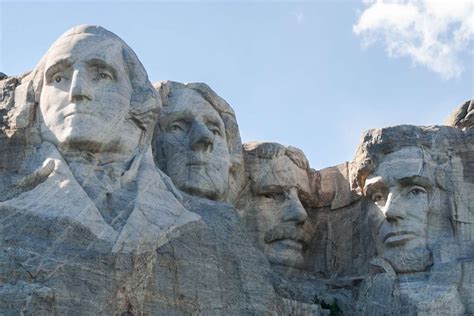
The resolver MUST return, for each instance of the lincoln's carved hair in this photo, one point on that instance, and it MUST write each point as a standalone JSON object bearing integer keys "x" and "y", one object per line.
{"x": 145, "y": 103}
{"x": 254, "y": 151}
{"x": 446, "y": 150}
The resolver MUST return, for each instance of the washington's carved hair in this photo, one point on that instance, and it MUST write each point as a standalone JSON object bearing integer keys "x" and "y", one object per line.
{"x": 145, "y": 103}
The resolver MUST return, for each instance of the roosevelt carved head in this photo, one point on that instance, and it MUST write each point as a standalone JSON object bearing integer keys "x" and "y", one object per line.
{"x": 274, "y": 210}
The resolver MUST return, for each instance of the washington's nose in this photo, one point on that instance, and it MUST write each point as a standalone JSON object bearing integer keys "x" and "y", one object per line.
{"x": 80, "y": 87}
{"x": 201, "y": 137}
{"x": 393, "y": 211}
{"x": 294, "y": 210}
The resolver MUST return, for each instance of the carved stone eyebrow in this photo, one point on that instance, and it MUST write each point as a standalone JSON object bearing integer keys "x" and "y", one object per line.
{"x": 58, "y": 65}
{"x": 96, "y": 62}
{"x": 269, "y": 188}
{"x": 374, "y": 184}
{"x": 416, "y": 180}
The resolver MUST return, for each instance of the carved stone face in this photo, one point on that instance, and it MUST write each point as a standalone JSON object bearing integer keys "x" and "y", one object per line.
{"x": 276, "y": 215}
{"x": 86, "y": 94}
{"x": 400, "y": 187}
{"x": 192, "y": 147}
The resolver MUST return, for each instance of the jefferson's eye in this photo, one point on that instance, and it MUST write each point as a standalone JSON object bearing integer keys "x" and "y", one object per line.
{"x": 177, "y": 126}
{"x": 216, "y": 132}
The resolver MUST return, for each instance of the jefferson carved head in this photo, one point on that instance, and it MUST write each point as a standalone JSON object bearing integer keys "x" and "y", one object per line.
{"x": 93, "y": 93}
{"x": 274, "y": 210}
{"x": 196, "y": 141}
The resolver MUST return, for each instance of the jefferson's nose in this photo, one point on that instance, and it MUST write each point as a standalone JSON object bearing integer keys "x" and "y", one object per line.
{"x": 80, "y": 87}
{"x": 201, "y": 137}
{"x": 294, "y": 210}
{"x": 394, "y": 212}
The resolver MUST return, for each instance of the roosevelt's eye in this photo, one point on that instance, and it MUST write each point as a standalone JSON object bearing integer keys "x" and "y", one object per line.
{"x": 273, "y": 195}
{"x": 416, "y": 191}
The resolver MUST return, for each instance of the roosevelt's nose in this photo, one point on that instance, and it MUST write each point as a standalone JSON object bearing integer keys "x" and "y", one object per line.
{"x": 394, "y": 212}
{"x": 201, "y": 137}
{"x": 294, "y": 210}
{"x": 80, "y": 87}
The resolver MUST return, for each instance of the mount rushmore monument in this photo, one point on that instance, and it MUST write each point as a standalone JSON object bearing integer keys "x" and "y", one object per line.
{"x": 123, "y": 197}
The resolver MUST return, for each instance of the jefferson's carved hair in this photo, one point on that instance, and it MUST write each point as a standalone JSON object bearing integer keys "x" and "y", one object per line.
{"x": 227, "y": 114}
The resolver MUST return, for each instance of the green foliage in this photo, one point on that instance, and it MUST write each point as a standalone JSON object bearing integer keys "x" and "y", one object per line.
{"x": 334, "y": 308}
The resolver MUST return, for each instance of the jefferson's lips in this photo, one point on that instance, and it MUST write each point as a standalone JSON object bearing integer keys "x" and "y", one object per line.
{"x": 290, "y": 244}
{"x": 75, "y": 113}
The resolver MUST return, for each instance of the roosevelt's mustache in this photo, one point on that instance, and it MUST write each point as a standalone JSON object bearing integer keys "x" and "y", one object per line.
{"x": 285, "y": 232}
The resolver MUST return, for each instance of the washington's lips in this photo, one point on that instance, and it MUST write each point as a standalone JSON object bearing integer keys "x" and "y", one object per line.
{"x": 196, "y": 163}
{"x": 74, "y": 111}
{"x": 398, "y": 237}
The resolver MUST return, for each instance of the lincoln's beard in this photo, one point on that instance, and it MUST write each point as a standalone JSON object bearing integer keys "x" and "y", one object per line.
{"x": 412, "y": 260}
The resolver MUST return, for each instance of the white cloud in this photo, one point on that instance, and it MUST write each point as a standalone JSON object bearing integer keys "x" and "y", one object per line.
{"x": 432, "y": 32}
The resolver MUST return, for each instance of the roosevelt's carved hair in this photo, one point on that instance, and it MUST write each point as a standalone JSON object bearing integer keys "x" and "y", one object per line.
{"x": 268, "y": 150}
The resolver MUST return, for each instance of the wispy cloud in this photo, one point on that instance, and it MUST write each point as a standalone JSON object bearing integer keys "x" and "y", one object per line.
{"x": 433, "y": 33}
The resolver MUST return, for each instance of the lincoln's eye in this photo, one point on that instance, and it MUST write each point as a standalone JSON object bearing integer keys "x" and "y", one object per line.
{"x": 416, "y": 191}
{"x": 378, "y": 198}
{"x": 104, "y": 75}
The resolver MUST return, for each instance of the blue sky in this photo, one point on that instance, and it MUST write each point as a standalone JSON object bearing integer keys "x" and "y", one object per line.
{"x": 295, "y": 72}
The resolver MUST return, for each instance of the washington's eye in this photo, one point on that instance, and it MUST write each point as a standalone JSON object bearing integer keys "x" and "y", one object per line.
{"x": 216, "y": 131}
{"x": 58, "y": 79}
{"x": 416, "y": 191}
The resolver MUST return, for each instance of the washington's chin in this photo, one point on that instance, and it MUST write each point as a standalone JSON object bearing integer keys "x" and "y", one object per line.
{"x": 88, "y": 142}
{"x": 285, "y": 252}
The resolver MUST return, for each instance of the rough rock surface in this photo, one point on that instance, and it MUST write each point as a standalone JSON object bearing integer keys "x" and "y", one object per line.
{"x": 462, "y": 117}
{"x": 123, "y": 210}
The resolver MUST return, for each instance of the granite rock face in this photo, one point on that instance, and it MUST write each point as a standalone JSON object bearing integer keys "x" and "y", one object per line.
{"x": 119, "y": 197}
{"x": 462, "y": 117}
